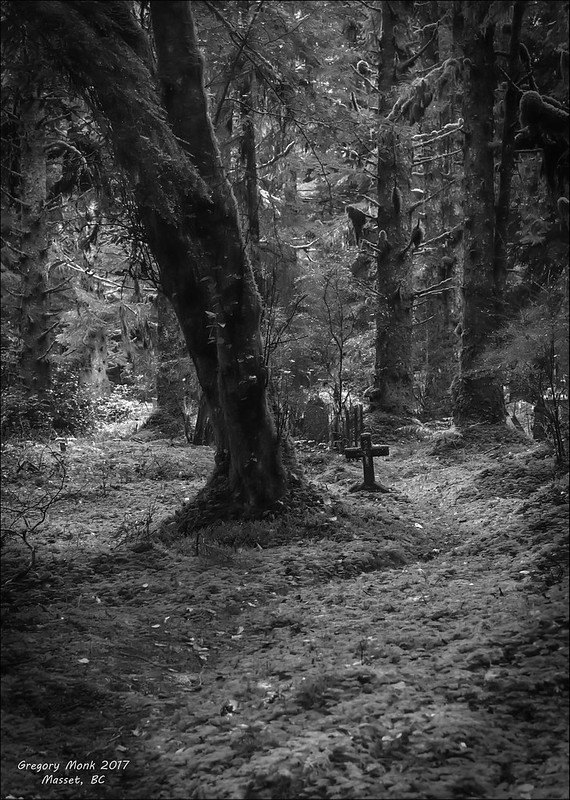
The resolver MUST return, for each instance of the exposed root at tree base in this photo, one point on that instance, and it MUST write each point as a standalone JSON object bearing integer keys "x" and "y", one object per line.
{"x": 207, "y": 515}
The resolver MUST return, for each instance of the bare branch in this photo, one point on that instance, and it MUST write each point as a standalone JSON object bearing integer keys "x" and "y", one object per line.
{"x": 405, "y": 65}
{"x": 60, "y": 144}
{"x": 436, "y": 157}
{"x": 432, "y": 289}
{"x": 444, "y": 234}
{"x": 441, "y": 135}
{"x": 277, "y": 156}
{"x": 304, "y": 246}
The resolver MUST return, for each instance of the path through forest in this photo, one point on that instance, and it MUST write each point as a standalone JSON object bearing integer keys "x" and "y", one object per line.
{"x": 409, "y": 645}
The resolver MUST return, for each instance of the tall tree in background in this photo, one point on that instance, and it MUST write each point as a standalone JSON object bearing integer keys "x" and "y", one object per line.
{"x": 187, "y": 210}
{"x": 393, "y": 387}
{"x": 36, "y": 330}
{"x": 478, "y": 394}
{"x": 508, "y": 154}
{"x": 439, "y": 148}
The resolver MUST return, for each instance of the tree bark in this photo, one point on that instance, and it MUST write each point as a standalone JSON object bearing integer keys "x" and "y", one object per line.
{"x": 440, "y": 311}
{"x": 478, "y": 394}
{"x": 393, "y": 383}
{"x": 186, "y": 208}
{"x": 36, "y": 331}
{"x": 507, "y": 165}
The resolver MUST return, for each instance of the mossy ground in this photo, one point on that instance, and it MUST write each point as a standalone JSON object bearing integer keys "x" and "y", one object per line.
{"x": 408, "y": 645}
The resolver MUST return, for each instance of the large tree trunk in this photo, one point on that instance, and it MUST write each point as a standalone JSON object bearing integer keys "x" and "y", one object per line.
{"x": 36, "y": 330}
{"x": 393, "y": 384}
{"x": 478, "y": 394}
{"x": 507, "y": 165}
{"x": 187, "y": 210}
{"x": 440, "y": 310}
{"x": 235, "y": 384}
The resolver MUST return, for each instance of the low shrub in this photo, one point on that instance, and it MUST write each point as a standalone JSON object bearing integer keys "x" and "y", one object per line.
{"x": 121, "y": 408}
{"x": 117, "y": 407}
{"x": 65, "y": 408}
{"x": 34, "y": 476}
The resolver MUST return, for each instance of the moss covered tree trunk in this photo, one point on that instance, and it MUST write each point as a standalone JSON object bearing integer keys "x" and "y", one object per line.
{"x": 167, "y": 148}
{"x": 228, "y": 353}
{"x": 441, "y": 310}
{"x": 393, "y": 384}
{"x": 478, "y": 394}
{"x": 507, "y": 165}
{"x": 36, "y": 328}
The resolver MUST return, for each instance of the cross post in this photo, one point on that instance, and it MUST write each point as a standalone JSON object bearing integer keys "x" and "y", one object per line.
{"x": 367, "y": 451}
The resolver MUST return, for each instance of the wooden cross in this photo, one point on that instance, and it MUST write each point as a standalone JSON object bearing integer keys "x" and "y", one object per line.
{"x": 367, "y": 451}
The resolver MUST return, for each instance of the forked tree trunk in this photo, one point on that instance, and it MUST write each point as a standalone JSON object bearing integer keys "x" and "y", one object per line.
{"x": 235, "y": 382}
{"x": 478, "y": 394}
{"x": 187, "y": 210}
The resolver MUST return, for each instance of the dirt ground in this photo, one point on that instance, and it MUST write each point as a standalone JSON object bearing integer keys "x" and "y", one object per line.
{"x": 402, "y": 645}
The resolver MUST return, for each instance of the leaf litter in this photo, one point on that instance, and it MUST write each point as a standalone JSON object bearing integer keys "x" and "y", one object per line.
{"x": 410, "y": 645}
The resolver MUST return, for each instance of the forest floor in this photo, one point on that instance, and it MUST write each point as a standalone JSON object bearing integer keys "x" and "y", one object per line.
{"x": 402, "y": 645}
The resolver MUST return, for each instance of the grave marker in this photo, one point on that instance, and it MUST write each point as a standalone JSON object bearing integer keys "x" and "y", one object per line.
{"x": 367, "y": 451}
